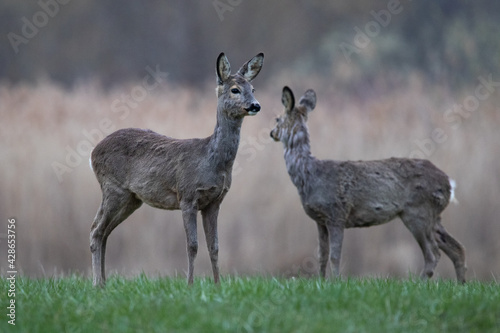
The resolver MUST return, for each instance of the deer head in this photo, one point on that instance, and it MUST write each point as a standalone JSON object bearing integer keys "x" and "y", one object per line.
{"x": 294, "y": 114}
{"x": 235, "y": 92}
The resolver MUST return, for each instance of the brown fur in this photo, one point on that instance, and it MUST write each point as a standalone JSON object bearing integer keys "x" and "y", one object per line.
{"x": 135, "y": 166}
{"x": 347, "y": 194}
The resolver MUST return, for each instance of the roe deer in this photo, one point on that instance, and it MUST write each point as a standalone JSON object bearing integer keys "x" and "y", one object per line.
{"x": 135, "y": 166}
{"x": 349, "y": 194}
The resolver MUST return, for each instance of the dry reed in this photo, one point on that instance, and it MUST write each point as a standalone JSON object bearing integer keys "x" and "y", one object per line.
{"x": 262, "y": 226}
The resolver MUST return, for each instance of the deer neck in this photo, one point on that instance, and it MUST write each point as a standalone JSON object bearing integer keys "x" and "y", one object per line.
{"x": 298, "y": 158}
{"x": 223, "y": 144}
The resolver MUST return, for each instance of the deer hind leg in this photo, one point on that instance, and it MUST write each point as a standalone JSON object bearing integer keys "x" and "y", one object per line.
{"x": 209, "y": 216}
{"x": 453, "y": 249}
{"x": 115, "y": 208}
{"x": 97, "y": 247}
{"x": 422, "y": 230}
{"x": 324, "y": 250}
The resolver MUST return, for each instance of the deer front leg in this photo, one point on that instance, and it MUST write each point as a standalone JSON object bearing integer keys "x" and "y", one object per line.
{"x": 324, "y": 250}
{"x": 189, "y": 217}
{"x": 209, "y": 216}
{"x": 336, "y": 236}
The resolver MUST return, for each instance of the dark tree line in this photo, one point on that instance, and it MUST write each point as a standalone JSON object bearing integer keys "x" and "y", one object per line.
{"x": 113, "y": 41}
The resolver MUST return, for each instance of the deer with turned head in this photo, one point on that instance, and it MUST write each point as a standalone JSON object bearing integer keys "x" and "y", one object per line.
{"x": 349, "y": 194}
{"x": 135, "y": 166}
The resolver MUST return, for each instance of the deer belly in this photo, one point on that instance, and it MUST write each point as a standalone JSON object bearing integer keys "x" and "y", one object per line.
{"x": 374, "y": 213}
{"x": 167, "y": 200}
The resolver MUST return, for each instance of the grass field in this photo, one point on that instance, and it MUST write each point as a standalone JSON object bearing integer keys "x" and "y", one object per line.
{"x": 252, "y": 304}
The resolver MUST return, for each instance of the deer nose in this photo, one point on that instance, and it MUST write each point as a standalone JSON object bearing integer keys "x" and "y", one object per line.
{"x": 255, "y": 107}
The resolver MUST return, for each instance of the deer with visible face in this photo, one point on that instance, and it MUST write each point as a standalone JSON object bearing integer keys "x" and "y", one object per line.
{"x": 348, "y": 194}
{"x": 135, "y": 166}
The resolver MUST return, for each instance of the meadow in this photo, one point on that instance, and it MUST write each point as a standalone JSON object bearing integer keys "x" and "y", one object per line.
{"x": 256, "y": 304}
{"x": 47, "y": 185}
{"x": 409, "y": 79}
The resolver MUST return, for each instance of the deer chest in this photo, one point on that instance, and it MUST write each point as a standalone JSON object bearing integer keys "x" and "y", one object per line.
{"x": 212, "y": 191}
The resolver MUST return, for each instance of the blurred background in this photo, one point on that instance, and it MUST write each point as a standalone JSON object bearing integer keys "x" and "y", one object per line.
{"x": 393, "y": 78}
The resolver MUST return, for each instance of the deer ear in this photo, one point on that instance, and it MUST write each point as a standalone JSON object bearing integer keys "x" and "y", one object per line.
{"x": 252, "y": 67}
{"x": 308, "y": 100}
{"x": 287, "y": 99}
{"x": 223, "y": 68}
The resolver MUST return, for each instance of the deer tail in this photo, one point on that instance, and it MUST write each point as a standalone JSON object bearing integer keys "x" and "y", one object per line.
{"x": 453, "y": 185}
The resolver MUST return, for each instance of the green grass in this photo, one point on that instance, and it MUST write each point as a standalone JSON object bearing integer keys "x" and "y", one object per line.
{"x": 252, "y": 304}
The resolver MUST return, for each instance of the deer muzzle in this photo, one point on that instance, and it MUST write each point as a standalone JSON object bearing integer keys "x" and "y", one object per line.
{"x": 253, "y": 109}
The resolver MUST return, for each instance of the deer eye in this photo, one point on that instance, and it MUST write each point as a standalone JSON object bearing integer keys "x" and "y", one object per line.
{"x": 235, "y": 91}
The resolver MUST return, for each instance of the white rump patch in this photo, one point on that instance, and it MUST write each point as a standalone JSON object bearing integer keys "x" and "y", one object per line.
{"x": 90, "y": 161}
{"x": 453, "y": 185}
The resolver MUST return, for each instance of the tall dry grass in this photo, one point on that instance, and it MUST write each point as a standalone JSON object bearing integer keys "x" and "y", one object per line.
{"x": 262, "y": 227}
